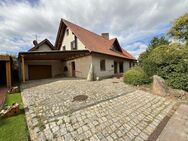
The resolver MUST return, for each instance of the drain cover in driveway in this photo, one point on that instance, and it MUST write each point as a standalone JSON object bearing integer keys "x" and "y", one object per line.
{"x": 80, "y": 98}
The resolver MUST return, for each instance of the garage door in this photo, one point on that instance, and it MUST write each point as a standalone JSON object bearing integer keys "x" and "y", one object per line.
{"x": 39, "y": 72}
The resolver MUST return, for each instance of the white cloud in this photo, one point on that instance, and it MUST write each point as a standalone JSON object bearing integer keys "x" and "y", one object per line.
{"x": 129, "y": 20}
{"x": 136, "y": 48}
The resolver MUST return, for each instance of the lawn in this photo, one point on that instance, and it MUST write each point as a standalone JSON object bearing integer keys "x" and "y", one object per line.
{"x": 14, "y": 128}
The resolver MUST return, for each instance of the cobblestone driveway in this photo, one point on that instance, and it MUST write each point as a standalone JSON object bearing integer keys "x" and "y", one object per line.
{"x": 113, "y": 110}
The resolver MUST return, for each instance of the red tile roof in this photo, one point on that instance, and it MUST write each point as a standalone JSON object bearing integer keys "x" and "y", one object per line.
{"x": 92, "y": 41}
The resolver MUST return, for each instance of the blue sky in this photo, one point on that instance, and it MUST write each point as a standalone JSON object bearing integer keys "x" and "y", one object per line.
{"x": 133, "y": 22}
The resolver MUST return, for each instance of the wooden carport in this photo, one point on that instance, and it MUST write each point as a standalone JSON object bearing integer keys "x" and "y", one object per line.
{"x": 7, "y": 62}
{"x": 52, "y": 55}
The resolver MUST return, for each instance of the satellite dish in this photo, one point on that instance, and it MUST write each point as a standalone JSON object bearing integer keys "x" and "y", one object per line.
{"x": 35, "y": 43}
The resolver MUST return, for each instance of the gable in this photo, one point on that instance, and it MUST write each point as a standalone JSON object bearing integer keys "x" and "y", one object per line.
{"x": 116, "y": 47}
{"x": 43, "y": 47}
{"x": 91, "y": 41}
{"x": 69, "y": 37}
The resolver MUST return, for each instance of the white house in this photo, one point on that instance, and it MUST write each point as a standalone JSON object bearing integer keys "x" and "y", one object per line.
{"x": 76, "y": 49}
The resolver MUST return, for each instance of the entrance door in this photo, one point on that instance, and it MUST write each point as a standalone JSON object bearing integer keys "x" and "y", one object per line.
{"x": 73, "y": 69}
{"x": 120, "y": 67}
{"x": 115, "y": 67}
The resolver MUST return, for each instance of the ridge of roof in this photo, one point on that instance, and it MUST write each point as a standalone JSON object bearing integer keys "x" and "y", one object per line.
{"x": 41, "y": 43}
{"x": 92, "y": 41}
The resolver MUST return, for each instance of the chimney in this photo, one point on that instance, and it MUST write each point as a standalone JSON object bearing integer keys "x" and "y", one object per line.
{"x": 35, "y": 43}
{"x": 105, "y": 35}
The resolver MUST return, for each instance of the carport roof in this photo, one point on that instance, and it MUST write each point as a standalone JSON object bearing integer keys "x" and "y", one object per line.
{"x": 5, "y": 58}
{"x": 54, "y": 55}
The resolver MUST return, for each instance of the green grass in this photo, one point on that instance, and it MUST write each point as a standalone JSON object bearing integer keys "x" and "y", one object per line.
{"x": 14, "y": 128}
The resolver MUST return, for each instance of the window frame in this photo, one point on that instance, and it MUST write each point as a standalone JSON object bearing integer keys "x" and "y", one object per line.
{"x": 102, "y": 65}
{"x": 64, "y": 47}
{"x": 74, "y": 44}
{"x": 67, "y": 32}
{"x": 121, "y": 70}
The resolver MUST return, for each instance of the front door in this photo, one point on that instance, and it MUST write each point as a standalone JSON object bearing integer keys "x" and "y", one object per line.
{"x": 73, "y": 69}
{"x": 115, "y": 67}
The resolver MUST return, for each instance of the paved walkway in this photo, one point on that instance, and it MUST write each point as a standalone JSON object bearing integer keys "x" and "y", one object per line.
{"x": 177, "y": 127}
{"x": 112, "y": 112}
{"x": 3, "y": 92}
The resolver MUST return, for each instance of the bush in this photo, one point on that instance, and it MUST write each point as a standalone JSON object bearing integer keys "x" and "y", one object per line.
{"x": 178, "y": 81}
{"x": 136, "y": 76}
{"x": 169, "y": 62}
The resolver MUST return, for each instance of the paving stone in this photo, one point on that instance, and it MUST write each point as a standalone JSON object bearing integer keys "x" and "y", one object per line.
{"x": 103, "y": 116}
{"x": 68, "y": 137}
{"x": 109, "y": 138}
{"x": 138, "y": 138}
{"x": 144, "y": 136}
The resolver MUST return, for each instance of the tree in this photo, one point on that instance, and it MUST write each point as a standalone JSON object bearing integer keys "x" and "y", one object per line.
{"x": 155, "y": 42}
{"x": 179, "y": 29}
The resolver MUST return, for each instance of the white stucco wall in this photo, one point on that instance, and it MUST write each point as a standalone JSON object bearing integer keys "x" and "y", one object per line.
{"x": 68, "y": 39}
{"x": 109, "y": 65}
{"x": 57, "y": 66}
{"x": 43, "y": 47}
{"x": 81, "y": 66}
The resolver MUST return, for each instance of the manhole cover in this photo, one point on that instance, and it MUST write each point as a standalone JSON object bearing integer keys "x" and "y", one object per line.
{"x": 80, "y": 98}
{"x": 115, "y": 82}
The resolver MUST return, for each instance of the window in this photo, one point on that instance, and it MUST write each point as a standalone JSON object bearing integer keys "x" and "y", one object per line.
{"x": 65, "y": 69}
{"x": 130, "y": 64}
{"x": 67, "y": 32}
{"x": 74, "y": 44}
{"x": 116, "y": 47}
{"x": 64, "y": 47}
{"x": 102, "y": 65}
{"x": 121, "y": 67}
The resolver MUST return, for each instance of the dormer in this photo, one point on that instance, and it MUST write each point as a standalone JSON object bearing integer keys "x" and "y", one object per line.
{"x": 116, "y": 47}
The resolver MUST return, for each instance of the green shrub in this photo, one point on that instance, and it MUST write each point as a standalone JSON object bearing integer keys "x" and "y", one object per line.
{"x": 178, "y": 81}
{"x": 169, "y": 62}
{"x": 136, "y": 76}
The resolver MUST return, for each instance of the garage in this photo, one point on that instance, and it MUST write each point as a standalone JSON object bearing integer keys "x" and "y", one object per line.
{"x": 39, "y": 72}
{"x": 41, "y": 65}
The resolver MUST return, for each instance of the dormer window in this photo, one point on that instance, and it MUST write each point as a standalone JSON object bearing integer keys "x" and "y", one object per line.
{"x": 67, "y": 32}
{"x": 116, "y": 47}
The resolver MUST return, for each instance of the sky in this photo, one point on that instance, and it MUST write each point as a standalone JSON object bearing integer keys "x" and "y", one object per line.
{"x": 133, "y": 22}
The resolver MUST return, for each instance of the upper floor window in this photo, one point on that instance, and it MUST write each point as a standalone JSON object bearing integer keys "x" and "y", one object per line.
{"x": 102, "y": 65}
{"x": 67, "y": 32}
{"x": 64, "y": 47}
{"x": 74, "y": 44}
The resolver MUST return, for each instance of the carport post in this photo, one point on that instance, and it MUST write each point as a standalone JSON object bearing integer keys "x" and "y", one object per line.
{"x": 8, "y": 73}
{"x": 23, "y": 69}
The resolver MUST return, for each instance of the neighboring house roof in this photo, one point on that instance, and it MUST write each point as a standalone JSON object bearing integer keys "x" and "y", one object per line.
{"x": 92, "y": 41}
{"x": 45, "y": 41}
{"x": 5, "y": 57}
